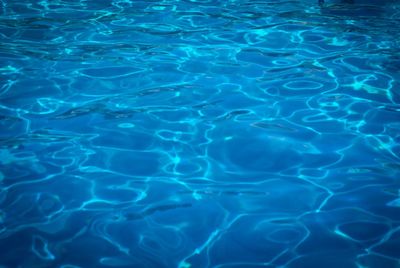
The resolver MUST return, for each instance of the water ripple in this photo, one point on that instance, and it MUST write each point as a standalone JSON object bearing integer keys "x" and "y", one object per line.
{"x": 199, "y": 133}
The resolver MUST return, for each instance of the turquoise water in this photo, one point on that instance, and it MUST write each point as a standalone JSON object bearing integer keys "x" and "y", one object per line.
{"x": 199, "y": 134}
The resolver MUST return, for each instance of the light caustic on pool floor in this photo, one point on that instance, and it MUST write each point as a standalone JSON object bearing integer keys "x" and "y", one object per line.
{"x": 199, "y": 134}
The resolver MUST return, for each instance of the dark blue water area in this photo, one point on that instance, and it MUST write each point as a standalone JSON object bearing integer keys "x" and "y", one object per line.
{"x": 199, "y": 133}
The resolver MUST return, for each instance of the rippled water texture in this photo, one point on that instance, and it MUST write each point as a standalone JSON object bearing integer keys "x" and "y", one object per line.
{"x": 199, "y": 134}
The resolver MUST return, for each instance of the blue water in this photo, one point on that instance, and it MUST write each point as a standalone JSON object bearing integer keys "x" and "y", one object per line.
{"x": 184, "y": 133}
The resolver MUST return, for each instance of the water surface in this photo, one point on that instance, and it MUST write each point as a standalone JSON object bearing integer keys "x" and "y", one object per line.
{"x": 199, "y": 134}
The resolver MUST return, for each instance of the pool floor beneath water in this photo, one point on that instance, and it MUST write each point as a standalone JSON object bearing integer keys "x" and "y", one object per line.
{"x": 199, "y": 133}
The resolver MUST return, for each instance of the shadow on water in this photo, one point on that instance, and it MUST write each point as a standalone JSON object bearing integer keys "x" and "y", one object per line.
{"x": 355, "y": 8}
{"x": 357, "y": 2}
{"x": 352, "y": 8}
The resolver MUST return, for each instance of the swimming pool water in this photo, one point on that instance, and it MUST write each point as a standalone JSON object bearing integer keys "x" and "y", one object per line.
{"x": 199, "y": 133}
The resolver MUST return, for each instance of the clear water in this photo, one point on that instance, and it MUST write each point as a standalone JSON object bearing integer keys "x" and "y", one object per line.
{"x": 199, "y": 134}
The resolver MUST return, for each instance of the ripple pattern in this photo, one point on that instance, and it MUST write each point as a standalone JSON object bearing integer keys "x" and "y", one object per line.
{"x": 200, "y": 133}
